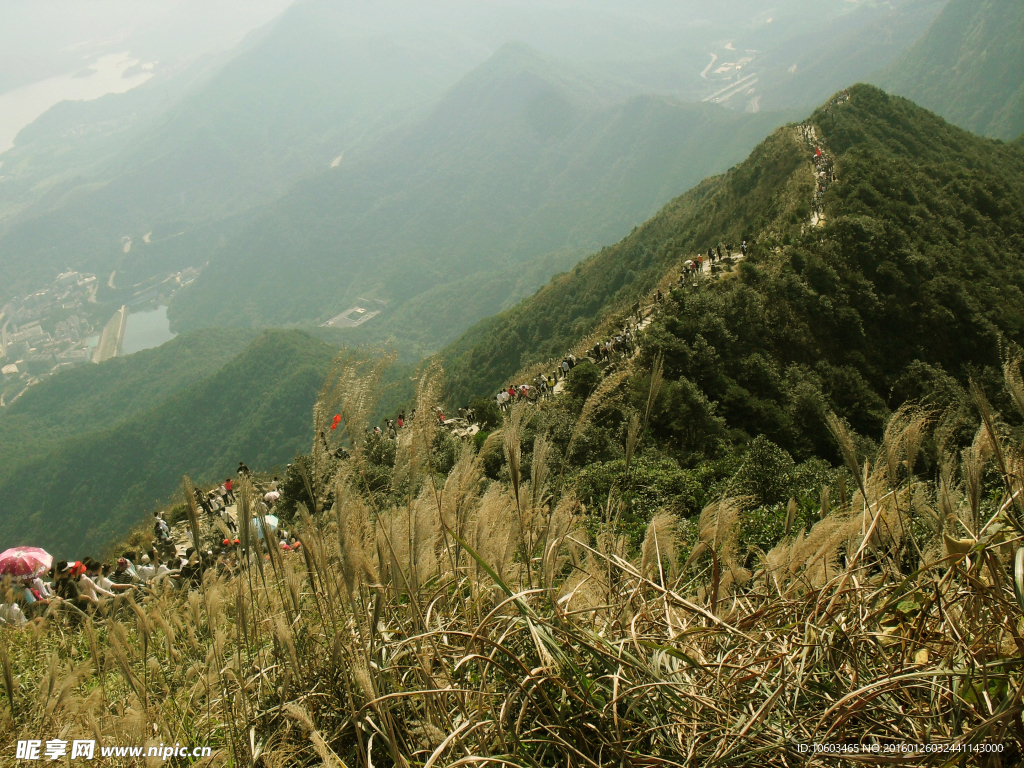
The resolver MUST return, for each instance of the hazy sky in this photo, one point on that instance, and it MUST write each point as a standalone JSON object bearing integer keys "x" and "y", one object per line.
{"x": 53, "y": 50}
{"x": 45, "y": 38}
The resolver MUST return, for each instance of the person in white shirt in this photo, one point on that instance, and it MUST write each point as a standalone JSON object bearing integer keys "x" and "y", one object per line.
{"x": 42, "y": 587}
{"x": 87, "y": 586}
{"x": 144, "y": 569}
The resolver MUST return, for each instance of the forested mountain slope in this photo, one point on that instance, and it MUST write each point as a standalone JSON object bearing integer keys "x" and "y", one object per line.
{"x": 523, "y": 158}
{"x": 95, "y": 486}
{"x": 968, "y": 67}
{"x": 912, "y": 284}
{"x": 95, "y": 397}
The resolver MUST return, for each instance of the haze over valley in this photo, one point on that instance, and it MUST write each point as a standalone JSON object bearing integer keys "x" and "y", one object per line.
{"x": 567, "y": 124}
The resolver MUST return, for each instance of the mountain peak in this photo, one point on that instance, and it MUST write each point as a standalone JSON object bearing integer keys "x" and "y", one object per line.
{"x": 518, "y": 72}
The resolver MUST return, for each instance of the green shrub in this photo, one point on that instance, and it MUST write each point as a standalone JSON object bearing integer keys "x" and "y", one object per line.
{"x": 583, "y": 379}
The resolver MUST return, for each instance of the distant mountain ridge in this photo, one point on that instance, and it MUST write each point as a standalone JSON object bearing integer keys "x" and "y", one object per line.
{"x": 968, "y": 67}
{"x": 525, "y": 157}
{"x": 232, "y": 140}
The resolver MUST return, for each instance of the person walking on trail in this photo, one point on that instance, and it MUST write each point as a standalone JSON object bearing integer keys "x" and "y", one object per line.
{"x": 226, "y": 517}
{"x": 160, "y": 529}
{"x": 229, "y": 486}
{"x": 743, "y": 248}
{"x": 565, "y": 368}
{"x": 242, "y": 469}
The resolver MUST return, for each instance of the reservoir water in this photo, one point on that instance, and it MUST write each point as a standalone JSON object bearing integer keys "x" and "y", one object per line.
{"x": 146, "y": 330}
{"x": 21, "y": 106}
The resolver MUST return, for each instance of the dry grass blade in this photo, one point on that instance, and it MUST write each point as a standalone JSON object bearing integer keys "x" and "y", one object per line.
{"x": 413, "y": 629}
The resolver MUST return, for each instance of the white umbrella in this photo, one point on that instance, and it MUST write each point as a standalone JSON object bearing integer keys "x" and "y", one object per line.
{"x": 272, "y": 524}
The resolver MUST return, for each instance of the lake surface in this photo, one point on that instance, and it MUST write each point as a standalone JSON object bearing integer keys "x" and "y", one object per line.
{"x": 146, "y": 330}
{"x": 21, "y": 106}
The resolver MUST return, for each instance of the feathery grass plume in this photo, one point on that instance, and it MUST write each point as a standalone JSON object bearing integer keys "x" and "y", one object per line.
{"x": 826, "y": 505}
{"x": 412, "y": 453}
{"x": 791, "y": 509}
{"x": 283, "y": 635}
{"x": 718, "y": 533}
{"x": 846, "y": 448}
{"x": 328, "y": 756}
{"x": 599, "y": 397}
{"x": 913, "y": 437}
{"x": 492, "y": 445}
{"x": 494, "y": 527}
{"x": 408, "y": 537}
{"x": 1014, "y": 383}
{"x": 972, "y": 469}
{"x": 64, "y": 694}
{"x": 429, "y": 389}
{"x": 243, "y": 514}
{"x": 657, "y": 375}
{"x": 94, "y": 651}
{"x": 168, "y": 632}
{"x": 584, "y": 590}
{"x": 660, "y": 546}
{"x": 814, "y": 558}
{"x": 632, "y": 438}
{"x": 558, "y": 522}
{"x": 351, "y": 390}
{"x": 461, "y": 491}
{"x": 892, "y": 442}
{"x": 5, "y": 667}
{"x": 191, "y": 511}
{"x": 1014, "y": 510}
{"x": 512, "y": 435}
{"x": 354, "y": 540}
{"x": 119, "y": 644}
{"x": 539, "y": 470}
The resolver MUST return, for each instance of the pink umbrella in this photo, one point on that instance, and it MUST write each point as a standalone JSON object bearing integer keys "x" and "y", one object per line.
{"x": 25, "y": 561}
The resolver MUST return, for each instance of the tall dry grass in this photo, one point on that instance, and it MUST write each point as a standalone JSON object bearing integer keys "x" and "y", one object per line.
{"x": 480, "y": 623}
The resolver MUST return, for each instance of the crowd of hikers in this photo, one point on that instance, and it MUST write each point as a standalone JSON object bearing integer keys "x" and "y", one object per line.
{"x": 78, "y": 588}
{"x": 695, "y": 266}
{"x": 824, "y": 166}
{"x": 89, "y": 585}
